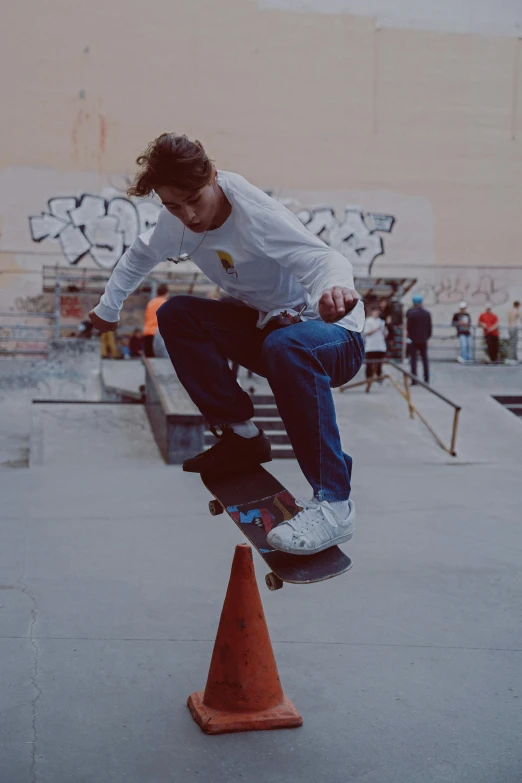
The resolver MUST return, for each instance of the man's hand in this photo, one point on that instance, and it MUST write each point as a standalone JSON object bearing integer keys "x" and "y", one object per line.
{"x": 101, "y": 325}
{"x": 337, "y": 302}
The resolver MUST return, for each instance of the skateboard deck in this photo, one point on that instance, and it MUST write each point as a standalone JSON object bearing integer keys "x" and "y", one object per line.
{"x": 256, "y": 501}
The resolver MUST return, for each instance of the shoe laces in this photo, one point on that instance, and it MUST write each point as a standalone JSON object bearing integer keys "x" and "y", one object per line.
{"x": 310, "y": 516}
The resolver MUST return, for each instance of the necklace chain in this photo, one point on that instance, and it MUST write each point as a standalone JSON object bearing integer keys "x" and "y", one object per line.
{"x": 187, "y": 256}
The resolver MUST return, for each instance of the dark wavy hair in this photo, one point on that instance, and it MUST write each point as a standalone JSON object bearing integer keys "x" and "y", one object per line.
{"x": 172, "y": 161}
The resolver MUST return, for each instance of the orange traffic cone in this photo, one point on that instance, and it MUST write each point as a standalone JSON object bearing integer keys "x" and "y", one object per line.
{"x": 243, "y": 691}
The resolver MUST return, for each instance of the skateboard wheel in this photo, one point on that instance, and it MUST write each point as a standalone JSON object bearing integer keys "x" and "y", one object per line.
{"x": 273, "y": 582}
{"x": 215, "y": 507}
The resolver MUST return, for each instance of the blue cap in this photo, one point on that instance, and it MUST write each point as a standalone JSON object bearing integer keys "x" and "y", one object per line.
{"x": 417, "y": 299}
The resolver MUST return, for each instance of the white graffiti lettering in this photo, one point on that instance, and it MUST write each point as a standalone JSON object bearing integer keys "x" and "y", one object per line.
{"x": 91, "y": 226}
{"x": 453, "y": 288}
{"x": 354, "y": 233}
{"x": 128, "y": 221}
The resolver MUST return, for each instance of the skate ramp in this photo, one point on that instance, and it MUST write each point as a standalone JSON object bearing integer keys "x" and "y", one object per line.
{"x": 71, "y": 371}
{"x": 376, "y": 427}
{"x": 91, "y": 435}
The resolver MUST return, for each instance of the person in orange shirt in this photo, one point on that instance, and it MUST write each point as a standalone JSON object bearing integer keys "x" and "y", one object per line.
{"x": 150, "y": 326}
{"x": 489, "y": 323}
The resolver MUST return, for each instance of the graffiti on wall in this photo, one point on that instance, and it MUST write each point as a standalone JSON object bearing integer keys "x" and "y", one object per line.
{"x": 452, "y": 288}
{"x": 71, "y": 307}
{"x": 92, "y": 226}
{"x": 354, "y": 232}
{"x": 34, "y": 304}
{"x": 102, "y": 229}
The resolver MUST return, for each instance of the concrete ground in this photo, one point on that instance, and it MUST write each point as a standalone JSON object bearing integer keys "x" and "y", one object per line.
{"x": 406, "y": 670}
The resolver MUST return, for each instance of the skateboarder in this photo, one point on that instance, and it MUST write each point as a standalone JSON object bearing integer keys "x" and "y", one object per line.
{"x": 295, "y": 319}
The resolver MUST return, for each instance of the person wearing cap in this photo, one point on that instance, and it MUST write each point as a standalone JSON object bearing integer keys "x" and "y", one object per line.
{"x": 462, "y": 322}
{"x": 490, "y": 323}
{"x": 418, "y": 329}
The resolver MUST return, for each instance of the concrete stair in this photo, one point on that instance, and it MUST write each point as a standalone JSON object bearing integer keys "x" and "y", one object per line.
{"x": 267, "y": 418}
{"x": 513, "y": 402}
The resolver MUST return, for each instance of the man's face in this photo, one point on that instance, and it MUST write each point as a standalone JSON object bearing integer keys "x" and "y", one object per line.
{"x": 196, "y": 209}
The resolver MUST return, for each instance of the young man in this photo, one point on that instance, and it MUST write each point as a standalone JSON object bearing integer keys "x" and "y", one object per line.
{"x": 462, "y": 322}
{"x": 294, "y": 319}
{"x": 490, "y": 323}
{"x": 514, "y": 324}
{"x": 418, "y": 325}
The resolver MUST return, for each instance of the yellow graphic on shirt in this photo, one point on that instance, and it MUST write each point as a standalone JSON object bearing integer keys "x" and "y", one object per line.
{"x": 227, "y": 263}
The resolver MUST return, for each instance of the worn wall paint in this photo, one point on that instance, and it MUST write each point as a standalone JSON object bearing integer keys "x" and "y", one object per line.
{"x": 101, "y": 227}
{"x": 398, "y": 118}
{"x": 392, "y": 234}
{"x": 384, "y": 228}
{"x": 482, "y": 17}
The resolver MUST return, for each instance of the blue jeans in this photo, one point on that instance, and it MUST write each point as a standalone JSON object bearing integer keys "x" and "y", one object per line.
{"x": 465, "y": 346}
{"x": 302, "y": 363}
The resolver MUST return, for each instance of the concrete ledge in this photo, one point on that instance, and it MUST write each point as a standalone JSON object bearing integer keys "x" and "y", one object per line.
{"x": 177, "y": 425}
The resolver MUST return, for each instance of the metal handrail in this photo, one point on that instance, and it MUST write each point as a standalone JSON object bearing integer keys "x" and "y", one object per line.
{"x": 423, "y": 383}
{"x": 411, "y": 407}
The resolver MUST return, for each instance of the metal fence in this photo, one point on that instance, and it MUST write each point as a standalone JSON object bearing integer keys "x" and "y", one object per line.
{"x": 27, "y": 334}
{"x": 444, "y": 344}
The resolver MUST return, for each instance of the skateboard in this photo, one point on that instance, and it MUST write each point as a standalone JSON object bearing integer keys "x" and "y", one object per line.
{"x": 257, "y": 502}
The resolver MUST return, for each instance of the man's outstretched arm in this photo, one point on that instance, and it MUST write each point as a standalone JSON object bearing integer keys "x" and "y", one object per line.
{"x": 133, "y": 267}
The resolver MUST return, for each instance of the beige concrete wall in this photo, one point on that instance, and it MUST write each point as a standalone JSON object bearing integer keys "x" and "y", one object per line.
{"x": 419, "y": 124}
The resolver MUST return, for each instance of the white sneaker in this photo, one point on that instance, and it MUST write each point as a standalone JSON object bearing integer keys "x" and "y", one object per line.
{"x": 313, "y": 529}
{"x": 460, "y": 360}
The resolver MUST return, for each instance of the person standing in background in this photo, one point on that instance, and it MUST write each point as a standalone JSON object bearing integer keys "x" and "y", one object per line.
{"x": 150, "y": 326}
{"x": 514, "y": 323}
{"x": 462, "y": 322}
{"x": 418, "y": 328}
{"x": 490, "y": 323}
{"x": 374, "y": 343}
{"x": 135, "y": 344}
{"x": 108, "y": 346}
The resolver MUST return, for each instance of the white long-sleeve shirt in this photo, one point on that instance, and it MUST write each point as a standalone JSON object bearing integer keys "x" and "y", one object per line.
{"x": 262, "y": 255}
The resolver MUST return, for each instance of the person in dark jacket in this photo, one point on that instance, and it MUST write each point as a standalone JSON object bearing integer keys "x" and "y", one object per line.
{"x": 418, "y": 325}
